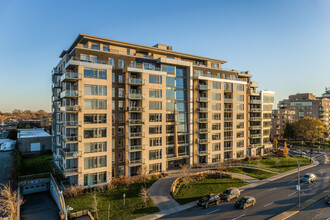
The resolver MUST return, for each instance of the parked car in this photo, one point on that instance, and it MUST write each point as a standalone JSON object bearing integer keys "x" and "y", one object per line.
{"x": 230, "y": 194}
{"x": 245, "y": 202}
{"x": 308, "y": 178}
{"x": 327, "y": 199}
{"x": 206, "y": 201}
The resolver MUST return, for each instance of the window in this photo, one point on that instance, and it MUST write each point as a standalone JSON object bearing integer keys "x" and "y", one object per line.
{"x": 181, "y": 107}
{"x": 240, "y": 134}
{"x": 216, "y": 136}
{"x": 169, "y": 129}
{"x": 240, "y": 154}
{"x": 181, "y": 83}
{"x": 170, "y": 94}
{"x": 95, "y": 147}
{"x": 170, "y": 81}
{"x": 240, "y": 98}
{"x": 155, "y": 168}
{"x": 95, "y": 46}
{"x": 95, "y": 132}
{"x": 155, "y": 142}
{"x": 240, "y": 107}
{"x": 155, "y": 105}
{"x": 155, "y": 117}
{"x": 180, "y": 72}
{"x": 95, "y": 178}
{"x": 113, "y": 105}
{"x": 88, "y": 58}
{"x": 216, "y": 158}
{"x": 95, "y": 162}
{"x": 120, "y": 78}
{"x": 240, "y": 116}
{"x": 95, "y": 90}
{"x": 240, "y": 125}
{"x": 216, "y": 85}
{"x": 113, "y": 92}
{"x": 216, "y": 127}
{"x": 216, "y": 146}
{"x": 216, "y": 106}
{"x": 228, "y": 86}
{"x": 170, "y": 106}
{"x": 239, "y": 144}
{"x": 155, "y": 129}
{"x": 106, "y": 48}
{"x": 120, "y": 105}
{"x": 169, "y": 140}
{"x": 154, "y": 79}
{"x": 216, "y": 116}
{"x": 112, "y": 62}
{"x": 215, "y": 65}
{"x": 216, "y": 96}
{"x": 113, "y": 77}
{"x": 120, "y": 92}
{"x": 95, "y": 118}
{"x": 121, "y": 63}
{"x": 169, "y": 69}
{"x": 155, "y": 93}
{"x": 95, "y": 73}
{"x": 181, "y": 95}
{"x": 148, "y": 66}
{"x": 95, "y": 104}
{"x": 239, "y": 87}
{"x": 155, "y": 154}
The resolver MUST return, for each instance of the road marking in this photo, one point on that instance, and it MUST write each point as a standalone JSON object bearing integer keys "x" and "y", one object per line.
{"x": 292, "y": 193}
{"x": 238, "y": 217}
{"x": 272, "y": 189}
{"x": 212, "y": 211}
{"x": 268, "y": 204}
{"x": 292, "y": 181}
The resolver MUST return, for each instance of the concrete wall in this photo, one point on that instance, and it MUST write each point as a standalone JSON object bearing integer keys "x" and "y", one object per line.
{"x": 24, "y": 144}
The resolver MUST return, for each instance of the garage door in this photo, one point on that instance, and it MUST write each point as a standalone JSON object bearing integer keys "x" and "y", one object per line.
{"x": 35, "y": 146}
{"x": 28, "y": 189}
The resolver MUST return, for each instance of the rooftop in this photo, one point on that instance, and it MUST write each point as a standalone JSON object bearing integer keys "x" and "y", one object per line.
{"x": 30, "y": 133}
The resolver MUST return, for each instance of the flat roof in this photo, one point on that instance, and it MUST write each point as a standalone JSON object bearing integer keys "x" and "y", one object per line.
{"x": 30, "y": 133}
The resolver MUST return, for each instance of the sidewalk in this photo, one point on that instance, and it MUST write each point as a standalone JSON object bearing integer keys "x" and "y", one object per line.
{"x": 160, "y": 190}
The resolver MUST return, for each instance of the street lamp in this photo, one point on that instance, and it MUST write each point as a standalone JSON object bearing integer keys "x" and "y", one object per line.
{"x": 298, "y": 162}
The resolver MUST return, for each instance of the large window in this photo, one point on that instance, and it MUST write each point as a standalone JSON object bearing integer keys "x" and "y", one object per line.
{"x": 155, "y": 93}
{"x": 155, "y": 105}
{"x": 88, "y": 58}
{"x": 157, "y": 129}
{"x": 170, "y": 94}
{"x": 170, "y": 81}
{"x": 154, "y": 79}
{"x": 121, "y": 63}
{"x": 240, "y": 98}
{"x": 216, "y": 106}
{"x": 169, "y": 69}
{"x": 95, "y": 90}
{"x": 181, "y": 95}
{"x": 216, "y": 85}
{"x": 180, "y": 72}
{"x": 95, "y": 73}
{"x": 240, "y": 87}
{"x": 216, "y": 96}
{"x": 216, "y": 127}
{"x": 95, "y": 162}
{"x": 95, "y": 118}
{"x": 155, "y": 154}
{"x": 95, "y": 46}
{"x": 95, "y": 178}
{"x": 155, "y": 117}
{"x": 181, "y": 83}
{"x": 95, "y": 132}
{"x": 240, "y": 107}
{"x": 95, "y": 147}
{"x": 155, "y": 142}
{"x": 155, "y": 168}
{"x": 95, "y": 104}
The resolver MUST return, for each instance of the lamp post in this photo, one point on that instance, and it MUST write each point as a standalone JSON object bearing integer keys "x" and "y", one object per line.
{"x": 298, "y": 163}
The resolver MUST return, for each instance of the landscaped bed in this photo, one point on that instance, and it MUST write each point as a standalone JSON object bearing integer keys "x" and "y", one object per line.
{"x": 284, "y": 164}
{"x": 199, "y": 188}
{"x": 255, "y": 173}
{"x": 35, "y": 165}
{"x": 133, "y": 208}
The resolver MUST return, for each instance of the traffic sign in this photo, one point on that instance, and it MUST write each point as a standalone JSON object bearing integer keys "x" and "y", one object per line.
{"x": 297, "y": 187}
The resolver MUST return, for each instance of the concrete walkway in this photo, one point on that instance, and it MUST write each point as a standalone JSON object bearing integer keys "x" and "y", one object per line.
{"x": 160, "y": 190}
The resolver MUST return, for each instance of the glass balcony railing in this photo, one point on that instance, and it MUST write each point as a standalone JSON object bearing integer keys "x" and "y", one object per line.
{"x": 134, "y": 96}
{"x": 202, "y": 130}
{"x": 74, "y": 108}
{"x": 203, "y": 87}
{"x": 135, "y": 121}
{"x": 135, "y": 81}
{"x": 71, "y": 123}
{"x": 203, "y": 99}
{"x": 70, "y": 76}
{"x": 135, "y": 109}
{"x": 135, "y": 134}
{"x": 202, "y": 109}
{"x": 70, "y": 94}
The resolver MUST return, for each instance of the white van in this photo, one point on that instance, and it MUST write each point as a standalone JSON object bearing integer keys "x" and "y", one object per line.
{"x": 7, "y": 146}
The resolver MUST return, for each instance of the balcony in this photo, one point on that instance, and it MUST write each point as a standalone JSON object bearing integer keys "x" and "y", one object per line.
{"x": 255, "y": 118}
{"x": 134, "y": 96}
{"x": 70, "y": 94}
{"x": 73, "y": 109}
{"x": 228, "y": 138}
{"x": 202, "y": 141}
{"x": 255, "y": 127}
{"x": 139, "y": 68}
{"x": 202, "y": 130}
{"x": 228, "y": 128}
{"x": 71, "y": 123}
{"x": 228, "y": 109}
{"x": 134, "y": 148}
{"x": 255, "y": 135}
{"x": 56, "y": 71}
{"x": 135, "y": 134}
{"x": 202, "y": 120}
{"x": 135, "y": 162}
{"x": 71, "y": 139}
{"x": 228, "y": 119}
{"x": 255, "y": 109}
{"x": 56, "y": 85}
{"x": 93, "y": 63}
{"x": 201, "y": 109}
{"x": 253, "y": 101}
{"x": 228, "y": 148}
{"x": 135, "y": 109}
{"x": 228, "y": 100}
{"x": 203, "y": 87}
{"x": 202, "y": 153}
{"x": 70, "y": 76}
{"x": 72, "y": 171}
{"x": 135, "y": 81}
{"x": 135, "y": 121}
{"x": 203, "y": 99}
{"x": 68, "y": 155}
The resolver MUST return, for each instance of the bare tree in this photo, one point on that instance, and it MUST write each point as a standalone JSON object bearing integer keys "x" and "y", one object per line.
{"x": 8, "y": 201}
{"x": 144, "y": 195}
{"x": 221, "y": 168}
{"x": 143, "y": 173}
{"x": 259, "y": 164}
{"x": 277, "y": 161}
{"x": 94, "y": 204}
{"x": 185, "y": 173}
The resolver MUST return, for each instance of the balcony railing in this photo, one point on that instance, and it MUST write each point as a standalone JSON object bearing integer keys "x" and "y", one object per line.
{"x": 134, "y": 148}
{"x": 255, "y": 127}
{"x": 74, "y": 108}
{"x": 73, "y": 154}
{"x": 135, "y": 81}
{"x": 228, "y": 100}
{"x": 255, "y": 118}
{"x": 202, "y": 120}
{"x": 135, "y": 121}
{"x": 255, "y": 109}
{"x": 135, "y": 109}
{"x": 228, "y": 119}
{"x": 71, "y": 123}
{"x": 135, "y": 162}
{"x": 228, "y": 109}
{"x": 135, "y": 134}
{"x": 70, "y": 94}
{"x": 144, "y": 67}
{"x": 71, "y": 139}
{"x": 227, "y": 138}
{"x": 203, "y": 152}
{"x": 134, "y": 96}
{"x": 203, "y": 99}
{"x": 228, "y": 128}
{"x": 252, "y": 101}
{"x": 203, "y": 87}
{"x": 72, "y": 171}
{"x": 200, "y": 141}
{"x": 202, "y": 130}
{"x": 201, "y": 109}
{"x": 228, "y": 148}
{"x": 70, "y": 76}
{"x": 255, "y": 135}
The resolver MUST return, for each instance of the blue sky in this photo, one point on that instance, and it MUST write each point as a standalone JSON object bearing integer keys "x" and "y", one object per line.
{"x": 284, "y": 43}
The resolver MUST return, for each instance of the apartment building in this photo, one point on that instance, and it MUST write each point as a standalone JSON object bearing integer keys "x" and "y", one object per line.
{"x": 299, "y": 106}
{"x": 118, "y": 106}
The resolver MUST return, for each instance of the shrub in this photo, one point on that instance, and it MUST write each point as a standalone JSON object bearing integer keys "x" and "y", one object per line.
{"x": 73, "y": 191}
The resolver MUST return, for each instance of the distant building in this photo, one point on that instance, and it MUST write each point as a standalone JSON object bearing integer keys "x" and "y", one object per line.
{"x": 4, "y": 131}
{"x": 299, "y": 106}
{"x": 45, "y": 122}
{"x": 33, "y": 140}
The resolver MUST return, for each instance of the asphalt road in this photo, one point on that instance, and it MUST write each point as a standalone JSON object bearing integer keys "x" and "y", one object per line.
{"x": 317, "y": 211}
{"x": 6, "y": 161}
{"x": 272, "y": 198}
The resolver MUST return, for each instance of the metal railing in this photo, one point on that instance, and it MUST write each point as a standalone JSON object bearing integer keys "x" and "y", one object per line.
{"x": 228, "y": 100}
{"x": 135, "y": 121}
{"x": 144, "y": 67}
{"x": 201, "y": 109}
{"x": 202, "y": 120}
{"x": 134, "y": 96}
{"x": 228, "y": 109}
{"x": 74, "y": 108}
{"x": 135, "y": 81}
{"x": 70, "y": 93}
{"x": 135, "y": 109}
{"x": 202, "y": 130}
{"x": 71, "y": 123}
{"x": 135, "y": 134}
{"x": 203, "y": 99}
{"x": 203, "y": 87}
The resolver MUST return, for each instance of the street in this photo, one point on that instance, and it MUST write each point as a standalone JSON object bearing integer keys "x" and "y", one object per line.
{"x": 6, "y": 162}
{"x": 272, "y": 198}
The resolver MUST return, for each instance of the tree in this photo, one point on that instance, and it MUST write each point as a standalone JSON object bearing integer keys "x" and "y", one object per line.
{"x": 12, "y": 134}
{"x": 221, "y": 168}
{"x": 277, "y": 161}
{"x": 8, "y": 201}
{"x": 185, "y": 174}
{"x": 144, "y": 195}
{"x": 275, "y": 142}
{"x": 143, "y": 172}
{"x": 285, "y": 150}
{"x": 310, "y": 129}
{"x": 94, "y": 204}
{"x": 288, "y": 131}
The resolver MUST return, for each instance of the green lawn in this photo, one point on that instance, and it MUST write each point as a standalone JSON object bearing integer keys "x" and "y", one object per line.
{"x": 255, "y": 173}
{"x": 285, "y": 164}
{"x": 308, "y": 144}
{"x": 133, "y": 208}
{"x": 197, "y": 189}
{"x": 34, "y": 165}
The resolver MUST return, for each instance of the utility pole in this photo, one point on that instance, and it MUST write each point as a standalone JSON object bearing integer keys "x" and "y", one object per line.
{"x": 298, "y": 186}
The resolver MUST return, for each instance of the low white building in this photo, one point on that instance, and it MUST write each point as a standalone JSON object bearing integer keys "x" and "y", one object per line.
{"x": 33, "y": 140}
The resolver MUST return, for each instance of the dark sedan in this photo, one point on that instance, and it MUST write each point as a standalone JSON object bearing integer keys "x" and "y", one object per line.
{"x": 245, "y": 202}
{"x": 208, "y": 200}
